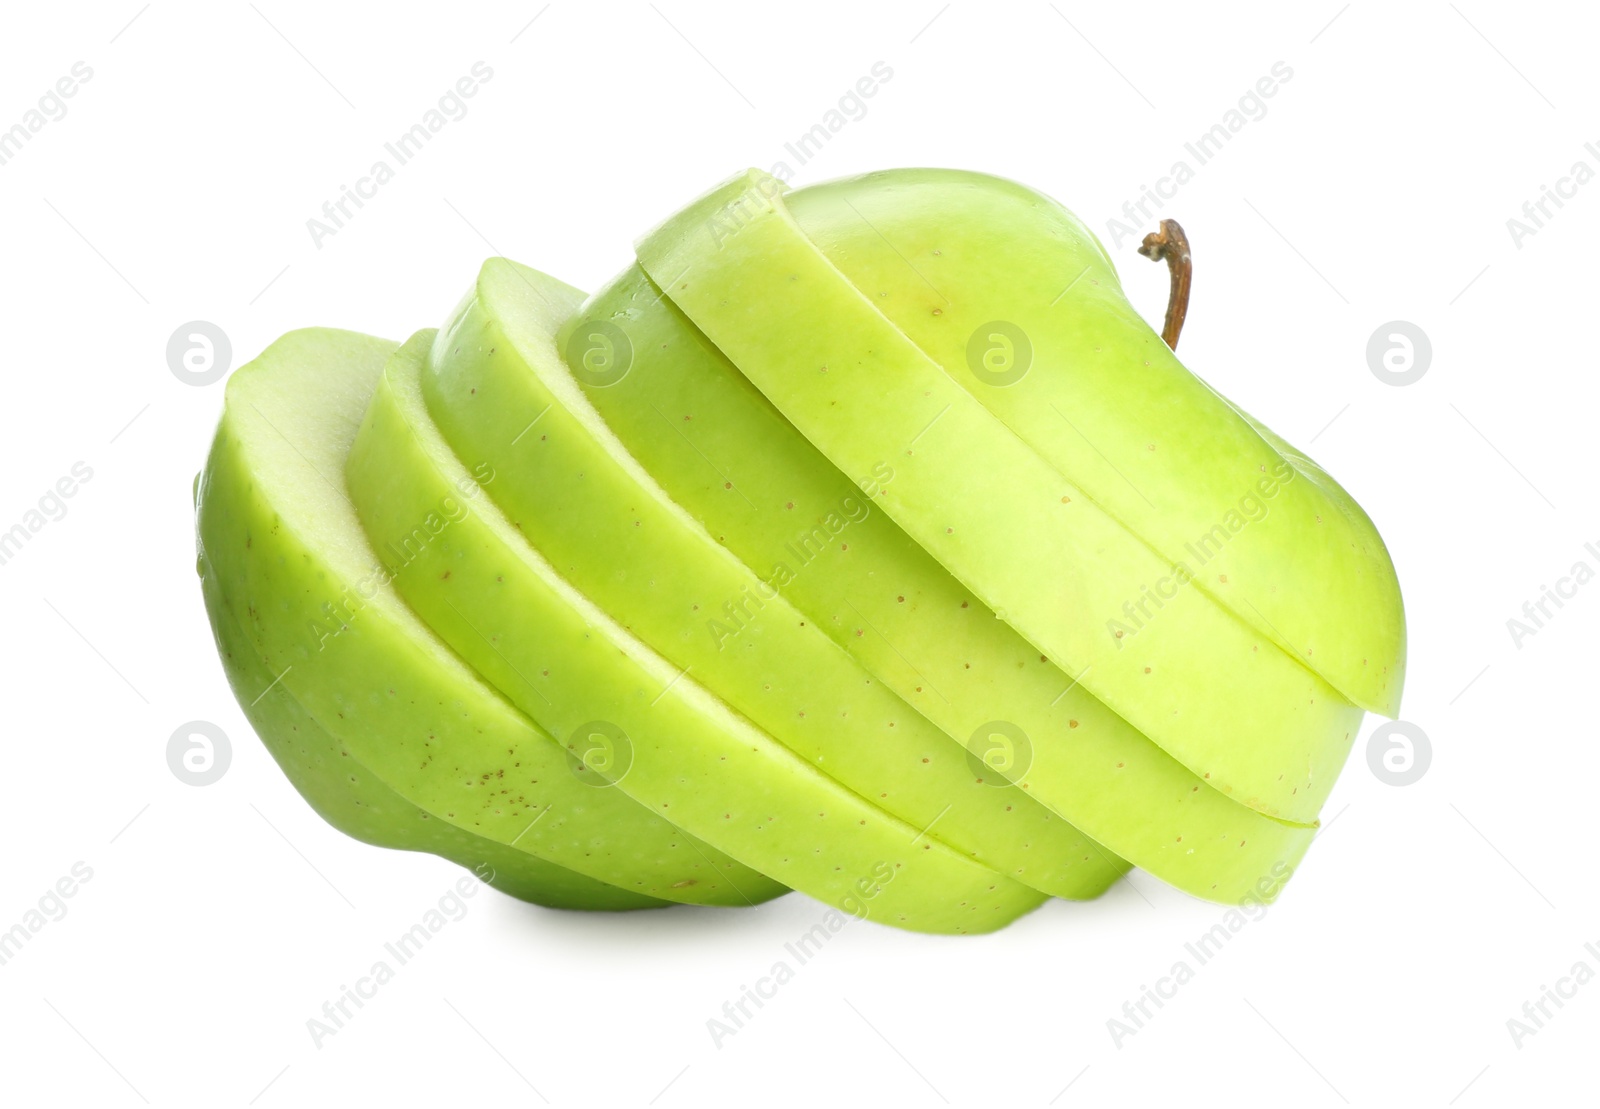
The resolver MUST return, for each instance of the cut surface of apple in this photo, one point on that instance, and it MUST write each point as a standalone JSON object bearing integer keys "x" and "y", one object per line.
{"x": 499, "y": 394}
{"x": 860, "y": 540}
{"x": 277, "y": 528}
{"x": 352, "y": 799}
{"x": 863, "y": 394}
{"x": 944, "y": 254}
{"x": 483, "y": 587}
{"x": 723, "y": 453}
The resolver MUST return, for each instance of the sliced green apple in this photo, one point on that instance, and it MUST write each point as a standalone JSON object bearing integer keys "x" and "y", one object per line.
{"x": 276, "y": 526}
{"x": 499, "y": 394}
{"x": 721, "y": 451}
{"x": 1224, "y": 700}
{"x": 352, "y": 799}
{"x": 485, "y": 589}
{"x": 943, "y": 254}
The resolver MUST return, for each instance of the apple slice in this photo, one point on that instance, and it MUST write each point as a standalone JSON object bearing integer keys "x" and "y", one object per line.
{"x": 483, "y": 587}
{"x": 498, "y": 392}
{"x": 944, "y": 254}
{"x": 1224, "y": 700}
{"x": 282, "y": 538}
{"x": 723, "y": 453}
{"x": 352, "y": 799}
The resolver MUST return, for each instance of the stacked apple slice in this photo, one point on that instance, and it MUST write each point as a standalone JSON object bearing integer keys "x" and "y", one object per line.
{"x": 860, "y": 541}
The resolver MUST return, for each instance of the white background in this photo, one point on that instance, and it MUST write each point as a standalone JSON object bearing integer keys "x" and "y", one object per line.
{"x": 219, "y": 920}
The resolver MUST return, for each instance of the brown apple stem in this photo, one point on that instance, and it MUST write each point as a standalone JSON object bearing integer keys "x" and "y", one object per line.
{"x": 1172, "y": 244}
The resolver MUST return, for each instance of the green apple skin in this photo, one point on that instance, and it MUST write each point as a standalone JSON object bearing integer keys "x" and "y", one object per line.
{"x": 1225, "y": 701}
{"x": 943, "y": 252}
{"x": 488, "y": 592}
{"x": 605, "y": 525}
{"x": 277, "y": 529}
{"x": 927, "y": 636}
{"x": 352, "y": 799}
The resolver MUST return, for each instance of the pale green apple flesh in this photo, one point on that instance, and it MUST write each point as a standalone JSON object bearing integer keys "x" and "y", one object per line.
{"x": 1045, "y": 558}
{"x": 721, "y": 451}
{"x": 483, "y": 587}
{"x": 287, "y": 552}
{"x": 499, "y": 394}
{"x": 860, "y": 540}
{"x": 352, "y": 799}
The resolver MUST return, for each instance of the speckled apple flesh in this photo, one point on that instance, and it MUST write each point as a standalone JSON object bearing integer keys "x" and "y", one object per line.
{"x": 906, "y": 565}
